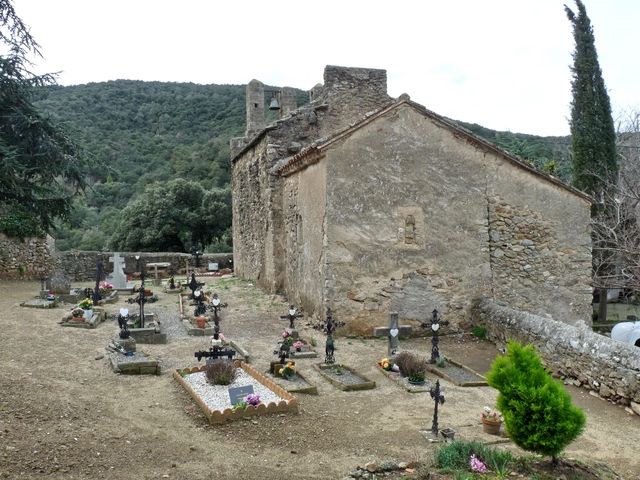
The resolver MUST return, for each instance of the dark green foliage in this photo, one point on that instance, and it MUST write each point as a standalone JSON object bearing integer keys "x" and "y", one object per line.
{"x": 220, "y": 372}
{"x": 593, "y": 139}
{"x": 537, "y": 410}
{"x": 173, "y": 217}
{"x": 41, "y": 167}
{"x": 16, "y": 221}
{"x": 456, "y": 455}
{"x": 479, "y": 331}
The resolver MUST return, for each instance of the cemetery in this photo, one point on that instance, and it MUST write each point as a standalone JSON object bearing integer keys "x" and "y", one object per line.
{"x": 347, "y": 397}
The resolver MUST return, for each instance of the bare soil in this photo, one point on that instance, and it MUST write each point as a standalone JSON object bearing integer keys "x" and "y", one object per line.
{"x": 65, "y": 415}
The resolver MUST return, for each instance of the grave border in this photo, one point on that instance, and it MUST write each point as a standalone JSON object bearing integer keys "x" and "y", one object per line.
{"x": 437, "y": 371}
{"x": 289, "y": 404}
{"x": 365, "y": 385}
{"x": 398, "y": 379}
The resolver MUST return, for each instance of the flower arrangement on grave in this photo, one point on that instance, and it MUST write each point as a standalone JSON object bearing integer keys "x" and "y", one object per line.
{"x": 86, "y": 304}
{"x": 287, "y": 338}
{"x": 298, "y": 345}
{"x": 105, "y": 288}
{"x": 252, "y": 399}
{"x": 491, "y": 416}
{"x": 288, "y": 371}
{"x": 388, "y": 365}
{"x": 77, "y": 312}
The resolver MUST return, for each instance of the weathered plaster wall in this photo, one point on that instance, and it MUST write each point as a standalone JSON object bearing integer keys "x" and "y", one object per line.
{"x": 406, "y": 220}
{"x": 304, "y": 215}
{"x": 28, "y": 258}
{"x": 420, "y": 218}
{"x": 574, "y": 353}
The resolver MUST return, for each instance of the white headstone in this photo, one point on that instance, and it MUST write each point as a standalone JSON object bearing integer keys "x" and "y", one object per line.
{"x": 118, "y": 279}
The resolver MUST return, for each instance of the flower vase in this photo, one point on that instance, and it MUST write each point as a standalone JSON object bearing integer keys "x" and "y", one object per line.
{"x": 492, "y": 427}
{"x": 201, "y": 322}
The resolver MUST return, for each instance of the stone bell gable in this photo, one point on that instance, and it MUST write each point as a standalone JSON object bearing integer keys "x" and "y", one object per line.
{"x": 402, "y": 210}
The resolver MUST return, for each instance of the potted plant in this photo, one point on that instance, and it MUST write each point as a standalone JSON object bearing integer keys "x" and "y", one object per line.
{"x": 416, "y": 378}
{"x": 491, "y": 421}
{"x": 201, "y": 321}
{"x": 288, "y": 371}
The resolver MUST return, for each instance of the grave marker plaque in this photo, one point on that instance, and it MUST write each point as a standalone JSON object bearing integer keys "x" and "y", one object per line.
{"x": 237, "y": 394}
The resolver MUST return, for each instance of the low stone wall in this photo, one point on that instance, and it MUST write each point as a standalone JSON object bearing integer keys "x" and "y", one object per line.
{"x": 80, "y": 265}
{"x": 28, "y": 258}
{"x": 574, "y": 353}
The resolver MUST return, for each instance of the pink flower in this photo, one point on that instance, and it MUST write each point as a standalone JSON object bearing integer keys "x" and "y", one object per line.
{"x": 476, "y": 465}
{"x": 285, "y": 334}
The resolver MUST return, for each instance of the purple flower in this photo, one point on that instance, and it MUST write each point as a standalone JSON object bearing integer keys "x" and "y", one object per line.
{"x": 476, "y": 465}
{"x": 253, "y": 399}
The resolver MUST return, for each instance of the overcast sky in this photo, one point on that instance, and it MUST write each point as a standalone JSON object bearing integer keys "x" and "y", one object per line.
{"x": 501, "y": 63}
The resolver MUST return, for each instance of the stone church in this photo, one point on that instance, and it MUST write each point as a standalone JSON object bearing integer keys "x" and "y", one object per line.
{"x": 368, "y": 204}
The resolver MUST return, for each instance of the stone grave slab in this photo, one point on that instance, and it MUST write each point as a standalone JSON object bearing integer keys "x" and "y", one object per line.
{"x": 403, "y": 382}
{"x": 296, "y": 384}
{"x": 98, "y": 316}
{"x": 306, "y": 351}
{"x": 39, "y": 303}
{"x": 458, "y": 374}
{"x": 58, "y": 283}
{"x": 136, "y": 363}
{"x": 343, "y": 377}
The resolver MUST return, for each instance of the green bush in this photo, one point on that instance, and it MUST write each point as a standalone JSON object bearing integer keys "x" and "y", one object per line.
{"x": 537, "y": 410}
{"x": 455, "y": 456}
{"x": 479, "y": 331}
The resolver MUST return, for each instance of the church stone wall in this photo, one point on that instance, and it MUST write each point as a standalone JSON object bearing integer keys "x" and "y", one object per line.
{"x": 304, "y": 237}
{"x": 419, "y": 218}
{"x": 406, "y": 221}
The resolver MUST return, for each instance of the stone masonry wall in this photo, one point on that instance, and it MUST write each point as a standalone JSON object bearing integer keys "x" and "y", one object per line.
{"x": 81, "y": 265}
{"x": 28, "y": 258}
{"x": 574, "y": 353}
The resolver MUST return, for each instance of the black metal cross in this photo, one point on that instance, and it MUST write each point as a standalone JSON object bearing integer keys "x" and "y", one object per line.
{"x": 142, "y": 298}
{"x": 96, "y": 290}
{"x": 438, "y": 397}
{"x": 435, "y": 323}
{"x": 123, "y": 319}
{"x": 215, "y": 306}
{"x": 193, "y": 285}
{"x": 201, "y": 308}
{"x": 291, "y": 315}
{"x": 215, "y": 353}
{"x": 329, "y": 349}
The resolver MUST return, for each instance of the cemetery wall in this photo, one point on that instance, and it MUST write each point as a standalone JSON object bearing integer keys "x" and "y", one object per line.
{"x": 81, "y": 265}
{"x": 574, "y": 353}
{"x": 28, "y": 258}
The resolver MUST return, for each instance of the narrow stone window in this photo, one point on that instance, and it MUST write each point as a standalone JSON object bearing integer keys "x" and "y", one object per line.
{"x": 409, "y": 229}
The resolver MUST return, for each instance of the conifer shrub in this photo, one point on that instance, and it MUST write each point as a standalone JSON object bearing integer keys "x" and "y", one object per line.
{"x": 537, "y": 410}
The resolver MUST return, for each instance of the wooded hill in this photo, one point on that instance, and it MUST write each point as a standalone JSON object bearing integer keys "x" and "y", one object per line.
{"x": 139, "y": 133}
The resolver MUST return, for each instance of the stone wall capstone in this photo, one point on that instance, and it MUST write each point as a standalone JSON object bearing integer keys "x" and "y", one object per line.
{"x": 574, "y": 353}
{"x": 81, "y": 265}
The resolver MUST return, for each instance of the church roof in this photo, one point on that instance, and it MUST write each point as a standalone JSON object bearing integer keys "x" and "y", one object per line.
{"x": 311, "y": 154}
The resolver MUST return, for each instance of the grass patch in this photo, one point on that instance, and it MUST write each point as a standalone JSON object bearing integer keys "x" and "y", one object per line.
{"x": 480, "y": 332}
{"x": 455, "y": 457}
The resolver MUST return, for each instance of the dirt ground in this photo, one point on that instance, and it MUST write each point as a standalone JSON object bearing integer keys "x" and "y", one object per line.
{"x": 65, "y": 415}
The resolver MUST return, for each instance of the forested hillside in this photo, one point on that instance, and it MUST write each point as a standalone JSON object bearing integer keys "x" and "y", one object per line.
{"x": 145, "y": 135}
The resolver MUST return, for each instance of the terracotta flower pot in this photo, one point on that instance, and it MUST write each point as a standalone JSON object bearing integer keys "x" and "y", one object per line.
{"x": 491, "y": 427}
{"x": 201, "y": 322}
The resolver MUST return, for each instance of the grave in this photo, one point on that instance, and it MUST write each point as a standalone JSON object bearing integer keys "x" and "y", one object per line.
{"x": 156, "y": 266}
{"x": 137, "y": 363}
{"x": 58, "y": 283}
{"x": 340, "y": 376}
{"x": 151, "y": 333}
{"x": 118, "y": 278}
{"x": 92, "y": 320}
{"x": 296, "y": 383}
{"x": 215, "y": 400}
{"x": 299, "y": 347}
{"x": 46, "y": 299}
{"x": 458, "y": 374}
{"x": 393, "y": 332}
{"x": 403, "y": 381}
{"x": 171, "y": 286}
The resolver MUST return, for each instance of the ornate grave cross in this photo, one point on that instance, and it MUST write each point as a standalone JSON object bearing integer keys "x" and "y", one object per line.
{"x": 201, "y": 308}
{"x": 436, "y": 321}
{"x": 193, "y": 285}
{"x": 283, "y": 352}
{"x": 215, "y": 306}
{"x": 142, "y": 298}
{"x": 96, "y": 290}
{"x": 438, "y": 398}
{"x": 329, "y": 346}
{"x": 291, "y": 315}
{"x": 393, "y": 332}
{"x": 123, "y": 319}
{"x": 215, "y": 353}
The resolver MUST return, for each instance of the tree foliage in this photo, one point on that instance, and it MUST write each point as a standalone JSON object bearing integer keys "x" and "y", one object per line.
{"x": 593, "y": 139}
{"x": 173, "y": 217}
{"x": 41, "y": 166}
{"x": 537, "y": 410}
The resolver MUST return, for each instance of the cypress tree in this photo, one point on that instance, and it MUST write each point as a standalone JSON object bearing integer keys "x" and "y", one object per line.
{"x": 593, "y": 140}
